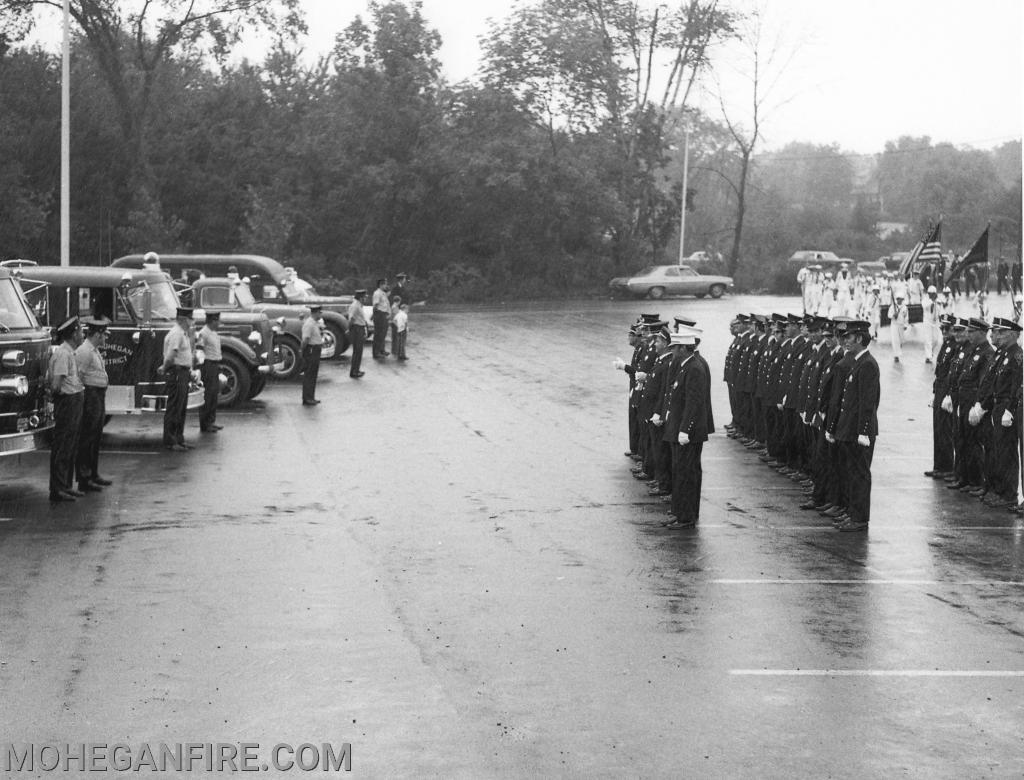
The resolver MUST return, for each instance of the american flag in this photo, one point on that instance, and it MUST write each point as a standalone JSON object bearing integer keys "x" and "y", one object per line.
{"x": 927, "y": 250}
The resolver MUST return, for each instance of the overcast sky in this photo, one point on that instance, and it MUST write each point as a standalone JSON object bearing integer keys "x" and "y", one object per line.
{"x": 861, "y": 71}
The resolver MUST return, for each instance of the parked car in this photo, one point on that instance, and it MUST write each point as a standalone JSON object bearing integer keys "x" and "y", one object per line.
{"x": 269, "y": 282}
{"x": 657, "y": 281}
{"x": 26, "y": 414}
{"x": 871, "y": 268}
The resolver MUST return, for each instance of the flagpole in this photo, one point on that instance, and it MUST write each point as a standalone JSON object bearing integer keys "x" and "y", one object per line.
{"x": 65, "y": 141}
{"x": 682, "y": 210}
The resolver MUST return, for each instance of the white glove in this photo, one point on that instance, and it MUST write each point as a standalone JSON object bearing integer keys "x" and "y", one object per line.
{"x": 784, "y": 400}
{"x": 830, "y": 438}
{"x": 656, "y": 420}
{"x": 640, "y": 376}
{"x": 822, "y": 416}
{"x": 200, "y": 356}
{"x": 778, "y": 406}
{"x": 863, "y": 441}
{"x": 684, "y": 438}
{"x": 803, "y": 418}
{"x": 975, "y": 414}
{"x": 947, "y": 404}
{"x": 1007, "y": 419}
{"x": 618, "y": 364}
{"x": 194, "y": 374}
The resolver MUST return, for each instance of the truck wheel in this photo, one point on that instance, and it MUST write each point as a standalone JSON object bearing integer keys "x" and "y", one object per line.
{"x": 236, "y": 388}
{"x": 291, "y": 358}
{"x": 716, "y": 290}
{"x": 656, "y": 293}
{"x": 329, "y": 347}
{"x": 340, "y": 339}
{"x": 259, "y": 381}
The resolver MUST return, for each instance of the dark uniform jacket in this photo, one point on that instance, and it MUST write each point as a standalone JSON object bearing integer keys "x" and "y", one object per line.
{"x": 689, "y": 408}
{"x": 858, "y": 408}
{"x": 972, "y": 372}
{"x": 943, "y": 363}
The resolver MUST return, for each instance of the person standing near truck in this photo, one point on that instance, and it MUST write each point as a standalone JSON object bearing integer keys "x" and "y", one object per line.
{"x": 312, "y": 343}
{"x": 67, "y": 390}
{"x": 209, "y": 342}
{"x": 356, "y": 332}
{"x": 381, "y": 318}
{"x": 177, "y": 367}
{"x": 93, "y": 372}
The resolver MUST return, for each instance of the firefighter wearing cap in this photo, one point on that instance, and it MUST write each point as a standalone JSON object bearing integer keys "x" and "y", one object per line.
{"x": 179, "y": 351}
{"x": 950, "y": 403}
{"x": 658, "y": 460}
{"x": 942, "y": 432}
{"x": 687, "y": 424}
{"x": 749, "y": 360}
{"x": 998, "y": 401}
{"x": 356, "y": 333}
{"x": 645, "y": 364}
{"x": 68, "y": 392}
{"x": 855, "y": 428}
{"x": 93, "y": 372}
{"x": 970, "y": 468}
{"x": 819, "y": 388}
{"x": 209, "y": 347}
{"x": 312, "y": 344}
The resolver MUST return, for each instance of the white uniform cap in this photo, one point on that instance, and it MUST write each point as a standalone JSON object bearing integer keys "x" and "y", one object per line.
{"x": 686, "y": 335}
{"x": 932, "y": 288}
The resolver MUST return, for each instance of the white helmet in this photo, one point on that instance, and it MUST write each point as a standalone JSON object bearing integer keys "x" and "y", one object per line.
{"x": 151, "y": 258}
{"x": 932, "y": 289}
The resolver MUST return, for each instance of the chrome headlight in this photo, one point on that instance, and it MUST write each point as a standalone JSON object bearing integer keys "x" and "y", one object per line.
{"x": 255, "y": 337}
{"x": 14, "y": 358}
{"x": 14, "y": 385}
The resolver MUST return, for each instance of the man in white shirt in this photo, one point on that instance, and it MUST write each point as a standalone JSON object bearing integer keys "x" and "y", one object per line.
{"x": 67, "y": 392}
{"x": 177, "y": 366}
{"x": 381, "y": 316}
{"x": 356, "y": 333}
{"x": 899, "y": 320}
{"x": 312, "y": 343}
{"x": 93, "y": 372}
{"x": 931, "y": 311}
{"x": 209, "y": 342}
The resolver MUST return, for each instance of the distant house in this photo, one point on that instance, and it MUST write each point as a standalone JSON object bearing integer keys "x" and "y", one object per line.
{"x": 886, "y": 229}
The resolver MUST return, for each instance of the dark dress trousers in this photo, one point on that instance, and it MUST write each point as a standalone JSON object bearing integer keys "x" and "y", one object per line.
{"x": 689, "y": 412}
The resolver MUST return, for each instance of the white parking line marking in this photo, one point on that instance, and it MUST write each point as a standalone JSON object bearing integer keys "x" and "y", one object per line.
{"x": 876, "y": 672}
{"x": 866, "y": 582}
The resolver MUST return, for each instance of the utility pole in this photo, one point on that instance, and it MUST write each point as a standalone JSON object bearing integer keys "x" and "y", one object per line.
{"x": 65, "y": 141}
{"x": 682, "y": 210}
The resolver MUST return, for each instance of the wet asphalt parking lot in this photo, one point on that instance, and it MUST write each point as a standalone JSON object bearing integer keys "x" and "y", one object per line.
{"x": 448, "y": 565}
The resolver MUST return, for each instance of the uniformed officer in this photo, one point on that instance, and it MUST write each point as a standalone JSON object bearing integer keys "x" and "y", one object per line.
{"x": 687, "y": 424}
{"x": 970, "y": 468}
{"x": 357, "y": 333}
{"x": 93, "y": 373}
{"x": 208, "y": 346}
{"x": 942, "y": 438}
{"x": 177, "y": 367}
{"x": 1004, "y": 380}
{"x": 856, "y": 427}
{"x": 312, "y": 343}
{"x": 951, "y": 418}
{"x": 68, "y": 392}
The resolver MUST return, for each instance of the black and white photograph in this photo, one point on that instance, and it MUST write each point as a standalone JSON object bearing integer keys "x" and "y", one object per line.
{"x": 539, "y": 388}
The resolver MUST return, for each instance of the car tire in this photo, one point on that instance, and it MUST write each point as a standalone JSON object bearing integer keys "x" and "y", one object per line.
{"x": 656, "y": 293}
{"x": 716, "y": 290}
{"x": 335, "y": 343}
{"x": 291, "y": 358}
{"x": 238, "y": 382}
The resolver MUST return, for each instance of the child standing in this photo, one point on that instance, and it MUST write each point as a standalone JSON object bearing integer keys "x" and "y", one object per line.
{"x": 401, "y": 331}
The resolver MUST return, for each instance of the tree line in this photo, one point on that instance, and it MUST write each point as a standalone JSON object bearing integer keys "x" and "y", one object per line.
{"x": 556, "y": 168}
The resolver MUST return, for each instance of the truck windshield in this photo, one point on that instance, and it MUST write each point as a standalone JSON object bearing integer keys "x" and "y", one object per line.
{"x": 164, "y": 302}
{"x": 13, "y": 312}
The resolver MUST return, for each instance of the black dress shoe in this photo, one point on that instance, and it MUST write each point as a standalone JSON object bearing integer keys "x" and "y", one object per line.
{"x": 808, "y": 505}
{"x": 310, "y": 403}
{"x": 73, "y": 493}
{"x": 208, "y": 430}
{"x": 957, "y": 486}
{"x": 57, "y": 497}
{"x": 853, "y": 525}
{"x": 834, "y": 512}
{"x": 675, "y": 524}
{"x": 176, "y": 448}
{"x": 89, "y": 487}
{"x": 933, "y": 474}
{"x": 100, "y": 481}
{"x": 357, "y": 374}
{"x": 217, "y": 427}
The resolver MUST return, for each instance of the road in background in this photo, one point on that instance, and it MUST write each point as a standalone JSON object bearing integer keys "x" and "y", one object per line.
{"x": 448, "y": 565}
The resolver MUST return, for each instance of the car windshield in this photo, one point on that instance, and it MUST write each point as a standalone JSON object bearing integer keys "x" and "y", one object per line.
{"x": 648, "y": 270}
{"x": 164, "y": 301}
{"x": 13, "y": 312}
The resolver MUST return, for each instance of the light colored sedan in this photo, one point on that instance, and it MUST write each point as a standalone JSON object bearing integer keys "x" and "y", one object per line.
{"x": 657, "y": 281}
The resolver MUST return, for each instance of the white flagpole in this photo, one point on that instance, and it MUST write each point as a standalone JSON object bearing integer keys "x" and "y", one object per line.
{"x": 65, "y": 141}
{"x": 682, "y": 211}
